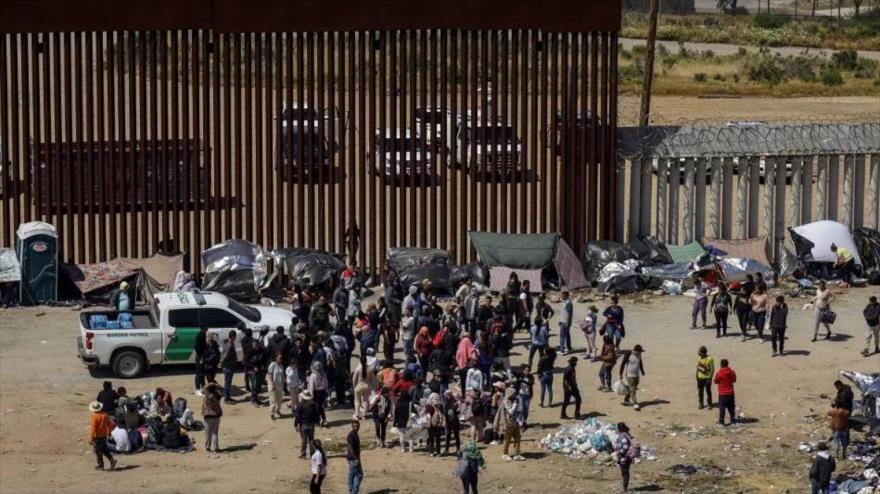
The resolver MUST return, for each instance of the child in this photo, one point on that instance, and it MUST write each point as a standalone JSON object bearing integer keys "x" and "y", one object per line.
{"x": 590, "y": 333}
{"x": 778, "y": 317}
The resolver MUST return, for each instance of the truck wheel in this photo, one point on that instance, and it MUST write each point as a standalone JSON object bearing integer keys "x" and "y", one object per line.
{"x": 128, "y": 364}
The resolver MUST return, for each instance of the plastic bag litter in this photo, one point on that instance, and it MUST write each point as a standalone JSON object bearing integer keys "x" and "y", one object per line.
{"x": 670, "y": 287}
{"x": 588, "y": 440}
{"x": 620, "y": 388}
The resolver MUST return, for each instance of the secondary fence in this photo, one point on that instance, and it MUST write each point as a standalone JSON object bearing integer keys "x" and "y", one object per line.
{"x": 795, "y": 8}
{"x": 747, "y": 180}
{"x": 134, "y": 127}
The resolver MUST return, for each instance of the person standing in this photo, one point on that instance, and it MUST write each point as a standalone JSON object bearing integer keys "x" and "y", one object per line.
{"x": 101, "y": 428}
{"x": 725, "y": 379}
{"x": 705, "y": 371}
{"x": 701, "y": 300}
{"x": 353, "y": 455}
{"x": 566, "y": 316}
{"x": 380, "y": 408}
{"x": 436, "y": 423}
{"x": 254, "y": 367}
{"x": 319, "y": 314}
{"x": 120, "y": 300}
{"x": 759, "y": 302}
{"x": 844, "y": 395}
{"x": 631, "y": 366}
{"x": 211, "y": 359}
{"x": 478, "y": 411}
{"x": 608, "y": 356}
{"x": 540, "y": 337}
{"x": 625, "y": 453}
{"x": 453, "y": 423}
{"x": 401, "y": 419}
{"x": 545, "y": 375}
{"x": 570, "y": 390}
{"x": 839, "y": 428}
{"x": 505, "y": 422}
{"x": 199, "y": 347}
{"x": 614, "y": 321}
{"x": 778, "y": 323}
{"x": 590, "y": 329}
{"x": 247, "y": 338}
{"x": 228, "y": 361}
{"x": 721, "y": 304}
{"x": 211, "y": 412}
{"x": 821, "y": 470}
{"x": 318, "y": 467}
{"x": 741, "y": 304}
{"x": 525, "y": 385}
{"x": 525, "y": 305}
{"x": 318, "y": 387}
{"x": 108, "y": 397}
{"x": 275, "y": 378}
{"x": 305, "y": 418}
{"x": 472, "y": 462}
{"x": 822, "y": 302}
{"x": 872, "y": 323}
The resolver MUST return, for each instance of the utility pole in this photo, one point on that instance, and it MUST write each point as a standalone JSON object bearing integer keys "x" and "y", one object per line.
{"x": 645, "y": 109}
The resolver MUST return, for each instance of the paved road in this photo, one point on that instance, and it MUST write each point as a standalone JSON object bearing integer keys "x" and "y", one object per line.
{"x": 725, "y": 49}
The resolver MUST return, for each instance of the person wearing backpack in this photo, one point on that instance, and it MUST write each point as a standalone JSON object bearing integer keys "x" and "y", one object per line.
{"x": 627, "y": 451}
{"x": 872, "y": 321}
{"x": 820, "y": 471}
{"x": 631, "y": 367}
{"x": 470, "y": 463}
{"x": 721, "y": 304}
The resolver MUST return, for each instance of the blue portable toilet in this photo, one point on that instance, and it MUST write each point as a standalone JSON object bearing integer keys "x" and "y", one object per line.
{"x": 37, "y": 250}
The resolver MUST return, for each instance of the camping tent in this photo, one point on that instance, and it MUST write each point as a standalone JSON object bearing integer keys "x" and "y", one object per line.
{"x": 236, "y": 268}
{"x": 529, "y": 251}
{"x": 310, "y": 268}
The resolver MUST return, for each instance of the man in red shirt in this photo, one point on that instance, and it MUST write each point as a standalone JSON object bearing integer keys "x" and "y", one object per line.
{"x": 724, "y": 379}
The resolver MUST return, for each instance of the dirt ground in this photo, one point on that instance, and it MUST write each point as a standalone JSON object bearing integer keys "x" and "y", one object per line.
{"x": 45, "y": 390}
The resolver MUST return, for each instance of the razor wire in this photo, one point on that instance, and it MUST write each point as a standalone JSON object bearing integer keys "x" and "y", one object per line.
{"x": 703, "y": 140}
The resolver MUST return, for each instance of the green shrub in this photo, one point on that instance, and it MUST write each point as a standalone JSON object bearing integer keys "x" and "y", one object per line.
{"x": 768, "y": 71}
{"x": 719, "y": 77}
{"x": 831, "y": 76}
{"x": 632, "y": 72}
{"x": 865, "y": 69}
{"x": 846, "y": 59}
{"x": 769, "y": 21}
{"x": 700, "y": 77}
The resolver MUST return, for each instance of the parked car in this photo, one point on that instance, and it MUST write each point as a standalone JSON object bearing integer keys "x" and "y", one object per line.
{"x": 164, "y": 333}
{"x": 494, "y": 141}
{"x": 433, "y": 120}
{"x": 298, "y": 114}
{"x": 404, "y": 155}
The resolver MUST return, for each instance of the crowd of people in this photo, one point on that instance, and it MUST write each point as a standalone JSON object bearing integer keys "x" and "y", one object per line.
{"x": 456, "y": 372}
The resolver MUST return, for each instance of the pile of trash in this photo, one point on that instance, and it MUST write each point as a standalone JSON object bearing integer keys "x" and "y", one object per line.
{"x": 590, "y": 440}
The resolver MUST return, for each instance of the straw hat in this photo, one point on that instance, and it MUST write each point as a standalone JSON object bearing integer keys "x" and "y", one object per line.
{"x": 96, "y": 406}
{"x": 305, "y": 395}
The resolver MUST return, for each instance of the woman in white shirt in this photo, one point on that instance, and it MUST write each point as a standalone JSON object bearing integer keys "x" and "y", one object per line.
{"x": 319, "y": 467}
{"x": 822, "y": 301}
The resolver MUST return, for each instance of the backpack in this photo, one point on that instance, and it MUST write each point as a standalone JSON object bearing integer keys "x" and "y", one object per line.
{"x": 478, "y": 407}
{"x": 462, "y": 467}
{"x": 635, "y": 449}
{"x": 497, "y": 327}
{"x": 438, "y": 338}
{"x": 340, "y": 344}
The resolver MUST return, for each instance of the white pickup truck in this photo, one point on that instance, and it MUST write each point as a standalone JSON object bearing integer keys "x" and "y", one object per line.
{"x": 165, "y": 333}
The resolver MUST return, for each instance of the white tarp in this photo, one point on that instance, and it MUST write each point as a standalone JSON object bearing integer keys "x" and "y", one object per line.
{"x": 10, "y": 270}
{"x": 27, "y": 230}
{"x": 822, "y": 234}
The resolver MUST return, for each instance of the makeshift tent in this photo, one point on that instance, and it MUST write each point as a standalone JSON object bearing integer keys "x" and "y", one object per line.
{"x": 410, "y": 265}
{"x": 812, "y": 244}
{"x": 599, "y": 253}
{"x": 684, "y": 253}
{"x": 236, "y": 268}
{"x": 868, "y": 242}
{"x": 146, "y": 276}
{"x": 310, "y": 268}
{"x": 10, "y": 276}
{"x": 650, "y": 251}
{"x": 475, "y": 272}
{"x": 545, "y": 251}
{"x": 749, "y": 248}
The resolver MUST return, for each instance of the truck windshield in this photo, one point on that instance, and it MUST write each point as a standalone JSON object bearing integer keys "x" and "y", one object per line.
{"x": 249, "y": 313}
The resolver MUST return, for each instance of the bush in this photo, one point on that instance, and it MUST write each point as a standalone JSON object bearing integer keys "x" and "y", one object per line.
{"x": 831, "y": 76}
{"x": 846, "y": 59}
{"x": 865, "y": 69}
{"x": 632, "y": 72}
{"x": 700, "y": 77}
{"x": 719, "y": 77}
{"x": 768, "y": 71}
{"x": 769, "y": 21}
